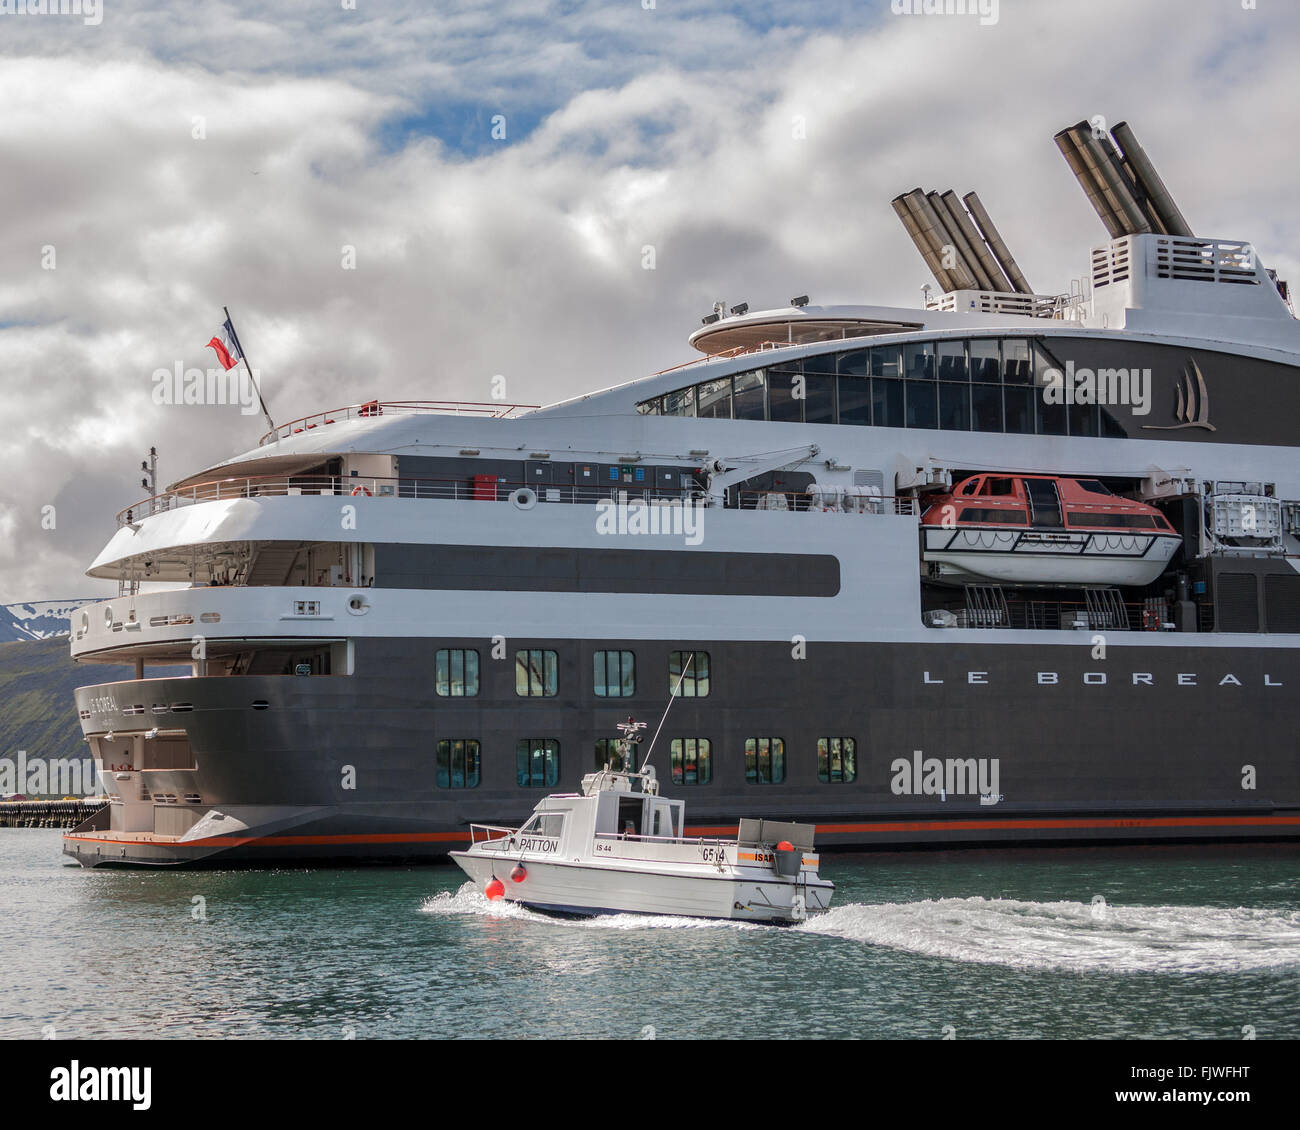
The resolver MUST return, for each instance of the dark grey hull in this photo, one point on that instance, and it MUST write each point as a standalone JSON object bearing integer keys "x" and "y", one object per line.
{"x": 1152, "y": 744}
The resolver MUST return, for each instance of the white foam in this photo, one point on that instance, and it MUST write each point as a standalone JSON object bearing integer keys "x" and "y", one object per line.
{"x": 1074, "y": 936}
{"x": 470, "y": 900}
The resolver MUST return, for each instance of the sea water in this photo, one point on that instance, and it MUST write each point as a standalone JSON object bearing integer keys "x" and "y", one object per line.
{"x": 1092, "y": 943}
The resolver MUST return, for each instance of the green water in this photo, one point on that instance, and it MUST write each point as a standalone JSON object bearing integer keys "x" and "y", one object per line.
{"x": 1200, "y": 943}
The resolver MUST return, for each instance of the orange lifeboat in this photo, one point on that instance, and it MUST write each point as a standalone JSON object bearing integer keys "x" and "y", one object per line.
{"x": 1044, "y": 530}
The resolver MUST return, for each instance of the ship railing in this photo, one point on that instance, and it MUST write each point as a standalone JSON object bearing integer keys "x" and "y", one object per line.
{"x": 486, "y": 489}
{"x": 634, "y": 837}
{"x": 489, "y": 833}
{"x": 800, "y": 502}
{"x": 1067, "y": 615}
{"x": 372, "y": 408}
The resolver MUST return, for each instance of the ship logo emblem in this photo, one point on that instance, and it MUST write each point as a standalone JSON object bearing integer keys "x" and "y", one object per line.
{"x": 1193, "y": 409}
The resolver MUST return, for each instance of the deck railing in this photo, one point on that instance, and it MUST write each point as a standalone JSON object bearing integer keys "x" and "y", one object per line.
{"x": 498, "y": 490}
{"x": 372, "y": 408}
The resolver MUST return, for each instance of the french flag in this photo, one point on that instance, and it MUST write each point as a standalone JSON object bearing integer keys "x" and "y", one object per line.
{"x": 226, "y": 346}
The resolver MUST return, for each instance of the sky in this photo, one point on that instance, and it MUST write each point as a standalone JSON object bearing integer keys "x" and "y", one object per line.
{"x": 406, "y": 200}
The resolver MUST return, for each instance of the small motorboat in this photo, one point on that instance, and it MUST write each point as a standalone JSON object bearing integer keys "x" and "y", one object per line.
{"x": 1044, "y": 530}
{"x": 619, "y": 847}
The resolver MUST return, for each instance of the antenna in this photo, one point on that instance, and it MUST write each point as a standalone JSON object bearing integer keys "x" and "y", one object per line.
{"x": 672, "y": 698}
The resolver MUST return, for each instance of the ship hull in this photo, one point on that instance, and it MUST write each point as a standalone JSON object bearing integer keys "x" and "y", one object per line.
{"x": 958, "y": 742}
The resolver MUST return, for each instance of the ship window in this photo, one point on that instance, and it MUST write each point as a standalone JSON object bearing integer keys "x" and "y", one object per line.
{"x": 544, "y": 824}
{"x": 609, "y": 752}
{"x": 764, "y": 761}
{"x": 1083, "y": 419}
{"x": 922, "y": 405}
{"x": 887, "y": 361}
{"x": 749, "y": 395}
{"x": 1051, "y": 418}
{"x": 837, "y": 760}
{"x": 692, "y": 761}
{"x": 985, "y": 360}
{"x": 536, "y": 673}
{"x": 951, "y": 360}
{"x": 990, "y": 514}
{"x": 458, "y": 763}
{"x": 1015, "y": 361}
{"x": 695, "y": 683}
{"x": 1092, "y": 486}
{"x": 713, "y": 399}
{"x": 1019, "y": 406}
{"x": 537, "y": 763}
{"x": 785, "y": 394}
{"x": 954, "y": 407}
{"x": 986, "y": 408}
{"x": 855, "y": 364}
{"x": 996, "y": 486}
{"x": 615, "y": 674}
{"x": 887, "y": 403}
{"x": 653, "y": 407}
{"x": 456, "y": 673}
{"x": 1123, "y": 521}
{"x": 680, "y": 403}
{"x": 855, "y": 400}
{"x": 970, "y": 486}
{"x": 819, "y": 399}
{"x": 918, "y": 361}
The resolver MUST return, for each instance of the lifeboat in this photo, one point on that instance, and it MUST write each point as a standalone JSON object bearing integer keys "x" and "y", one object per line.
{"x": 1044, "y": 530}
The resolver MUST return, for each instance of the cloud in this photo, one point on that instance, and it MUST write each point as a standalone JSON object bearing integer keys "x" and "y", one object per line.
{"x": 755, "y": 150}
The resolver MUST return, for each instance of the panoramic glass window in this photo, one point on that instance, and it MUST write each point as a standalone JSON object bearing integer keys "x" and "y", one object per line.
{"x": 1016, "y": 368}
{"x": 695, "y": 684}
{"x": 918, "y": 361}
{"x": 749, "y": 395}
{"x": 783, "y": 403}
{"x": 680, "y": 403}
{"x": 458, "y": 763}
{"x": 536, "y": 673}
{"x": 456, "y": 673}
{"x": 691, "y": 760}
{"x": 537, "y": 763}
{"x": 764, "y": 761}
{"x": 951, "y": 360}
{"x": 985, "y": 359}
{"x": 837, "y": 760}
{"x": 615, "y": 674}
{"x": 713, "y": 399}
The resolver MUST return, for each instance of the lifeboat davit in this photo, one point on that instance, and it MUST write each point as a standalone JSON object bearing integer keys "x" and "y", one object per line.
{"x": 1044, "y": 530}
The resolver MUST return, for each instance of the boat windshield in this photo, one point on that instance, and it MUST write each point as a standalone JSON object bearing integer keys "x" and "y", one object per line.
{"x": 545, "y": 824}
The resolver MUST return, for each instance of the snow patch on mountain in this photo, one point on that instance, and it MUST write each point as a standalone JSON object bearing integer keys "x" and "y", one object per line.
{"x": 39, "y": 619}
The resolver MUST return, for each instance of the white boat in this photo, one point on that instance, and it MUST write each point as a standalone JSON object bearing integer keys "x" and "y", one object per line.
{"x": 618, "y": 847}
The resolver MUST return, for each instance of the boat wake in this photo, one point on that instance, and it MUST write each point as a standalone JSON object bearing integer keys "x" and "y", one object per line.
{"x": 470, "y": 900}
{"x": 1074, "y": 936}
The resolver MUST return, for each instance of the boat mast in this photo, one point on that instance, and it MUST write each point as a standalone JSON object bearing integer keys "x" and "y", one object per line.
{"x": 671, "y": 699}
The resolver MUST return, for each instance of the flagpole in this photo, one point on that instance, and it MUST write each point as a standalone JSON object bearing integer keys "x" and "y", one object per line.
{"x": 244, "y": 358}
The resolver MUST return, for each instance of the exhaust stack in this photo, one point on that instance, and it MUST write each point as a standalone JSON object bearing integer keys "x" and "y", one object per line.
{"x": 1159, "y": 200}
{"x": 996, "y": 245}
{"x": 943, "y": 232}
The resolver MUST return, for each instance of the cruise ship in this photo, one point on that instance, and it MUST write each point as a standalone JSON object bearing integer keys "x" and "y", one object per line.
{"x": 1007, "y": 568}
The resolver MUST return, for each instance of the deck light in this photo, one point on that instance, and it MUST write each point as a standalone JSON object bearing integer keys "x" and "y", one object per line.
{"x": 710, "y": 319}
{"x": 802, "y": 300}
{"x": 741, "y": 309}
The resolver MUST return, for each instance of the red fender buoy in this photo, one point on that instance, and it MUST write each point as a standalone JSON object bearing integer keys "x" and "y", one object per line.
{"x": 495, "y": 889}
{"x": 518, "y": 873}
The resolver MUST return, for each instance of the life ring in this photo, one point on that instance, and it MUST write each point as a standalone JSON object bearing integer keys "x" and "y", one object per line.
{"x": 525, "y": 498}
{"x": 361, "y": 490}
{"x": 1151, "y": 620}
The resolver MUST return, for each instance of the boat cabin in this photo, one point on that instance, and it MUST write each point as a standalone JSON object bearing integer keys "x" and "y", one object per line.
{"x": 607, "y": 808}
{"x": 1043, "y": 502}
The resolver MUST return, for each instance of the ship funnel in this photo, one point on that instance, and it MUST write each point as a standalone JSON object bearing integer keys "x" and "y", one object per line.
{"x": 923, "y": 235}
{"x": 961, "y": 255}
{"x": 1159, "y": 200}
{"x": 996, "y": 245}
{"x": 1103, "y": 180}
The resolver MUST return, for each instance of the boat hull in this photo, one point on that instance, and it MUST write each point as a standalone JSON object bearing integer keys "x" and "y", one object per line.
{"x": 1030, "y": 557}
{"x": 588, "y": 889}
{"x": 1165, "y": 738}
